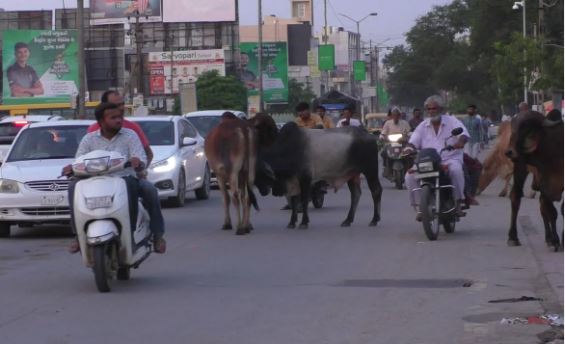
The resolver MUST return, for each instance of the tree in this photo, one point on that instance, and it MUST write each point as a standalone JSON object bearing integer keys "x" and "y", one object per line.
{"x": 297, "y": 92}
{"x": 214, "y": 92}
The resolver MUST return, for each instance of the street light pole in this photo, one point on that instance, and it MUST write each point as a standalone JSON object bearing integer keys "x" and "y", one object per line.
{"x": 80, "y": 57}
{"x": 260, "y": 55}
{"x": 524, "y": 34}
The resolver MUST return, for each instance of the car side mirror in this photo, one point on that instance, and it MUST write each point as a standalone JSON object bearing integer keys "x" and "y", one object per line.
{"x": 188, "y": 141}
{"x": 457, "y": 131}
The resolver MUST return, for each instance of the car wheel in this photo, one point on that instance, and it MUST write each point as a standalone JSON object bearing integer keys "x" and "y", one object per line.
{"x": 179, "y": 199}
{"x": 203, "y": 192}
{"x": 4, "y": 230}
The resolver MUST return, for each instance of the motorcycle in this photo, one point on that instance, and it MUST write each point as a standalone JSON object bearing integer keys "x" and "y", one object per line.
{"x": 397, "y": 162}
{"x": 437, "y": 204}
{"x": 109, "y": 244}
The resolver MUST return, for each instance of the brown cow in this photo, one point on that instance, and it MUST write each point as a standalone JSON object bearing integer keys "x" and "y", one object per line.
{"x": 538, "y": 142}
{"x": 231, "y": 149}
{"x": 497, "y": 164}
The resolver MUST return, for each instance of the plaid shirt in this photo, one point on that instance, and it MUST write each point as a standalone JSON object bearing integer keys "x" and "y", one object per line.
{"x": 126, "y": 142}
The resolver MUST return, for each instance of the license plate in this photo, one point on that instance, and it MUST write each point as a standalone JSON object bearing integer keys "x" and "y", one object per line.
{"x": 427, "y": 175}
{"x": 394, "y": 144}
{"x": 52, "y": 200}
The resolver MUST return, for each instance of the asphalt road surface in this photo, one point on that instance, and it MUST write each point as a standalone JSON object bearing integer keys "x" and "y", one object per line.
{"x": 326, "y": 284}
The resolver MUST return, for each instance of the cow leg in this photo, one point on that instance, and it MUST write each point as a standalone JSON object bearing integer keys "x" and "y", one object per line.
{"x": 520, "y": 174}
{"x": 245, "y": 209}
{"x": 224, "y": 191}
{"x": 376, "y": 194}
{"x": 354, "y": 185}
{"x": 549, "y": 215}
{"x": 504, "y": 190}
{"x": 294, "y": 211}
{"x": 305, "y": 189}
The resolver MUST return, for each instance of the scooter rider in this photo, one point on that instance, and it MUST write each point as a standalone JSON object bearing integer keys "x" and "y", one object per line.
{"x": 395, "y": 125}
{"x": 113, "y": 137}
{"x": 432, "y": 133}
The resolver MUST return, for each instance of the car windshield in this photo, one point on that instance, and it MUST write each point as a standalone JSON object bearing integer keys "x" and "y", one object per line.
{"x": 9, "y": 130}
{"x": 57, "y": 142}
{"x": 159, "y": 133}
{"x": 204, "y": 124}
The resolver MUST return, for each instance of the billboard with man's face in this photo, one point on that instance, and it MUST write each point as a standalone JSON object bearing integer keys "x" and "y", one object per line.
{"x": 118, "y": 11}
{"x": 39, "y": 66}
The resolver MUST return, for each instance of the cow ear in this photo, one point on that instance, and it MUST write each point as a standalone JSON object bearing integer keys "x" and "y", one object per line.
{"x": 531, "y": 143}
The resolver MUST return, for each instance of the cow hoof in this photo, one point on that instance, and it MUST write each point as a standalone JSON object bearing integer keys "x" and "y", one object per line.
{"x": 250, "y": 228}
{"x": 502, "y": 194}
{"x": 303, "y": 226}
{"x": 291, "y": 226}
{"x": 227, "y": 227}
{"x": 513, "y": 243}
{"x": 241, "y": 231}
{"x": 346, "y": 224}
{"x": 373, "y": 223}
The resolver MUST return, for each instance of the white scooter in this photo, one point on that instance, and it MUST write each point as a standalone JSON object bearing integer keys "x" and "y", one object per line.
{"x": 101, "y": 212}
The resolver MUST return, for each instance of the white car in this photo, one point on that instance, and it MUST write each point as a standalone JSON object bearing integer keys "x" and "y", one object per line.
{"x": 204, "y": 121}
{"x": 11, "y": 125}
{"x": 31, "y": 191}
{"x": 179, "y": 164}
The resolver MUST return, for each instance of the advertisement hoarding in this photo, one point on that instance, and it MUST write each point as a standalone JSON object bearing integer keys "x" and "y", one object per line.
{"x": 199, "y": 11}
{"x": 118, "y": 11}
{"x": 166, "y": 72}
{"x": 326, "y": 57}
{"x": 359, "y": 71}
{"x": 275, "y": 70}
{"x": 39, "y": 66}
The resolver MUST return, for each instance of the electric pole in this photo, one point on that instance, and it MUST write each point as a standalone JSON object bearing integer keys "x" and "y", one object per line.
{"x": 139, "y": 56}
{"x": 80, "y": 56}
{"x": 260, "y": 56}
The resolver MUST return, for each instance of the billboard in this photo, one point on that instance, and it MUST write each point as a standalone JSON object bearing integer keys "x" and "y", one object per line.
{"x": 117, "y": 11}
{"x": 199, "y": 11}
{"x": 359, "y": 71}
{"x": 39, "y": 66}
{"x": 326, "y": 57}
{"x": 275, "y": 70}
{"x": 166, "y": 72}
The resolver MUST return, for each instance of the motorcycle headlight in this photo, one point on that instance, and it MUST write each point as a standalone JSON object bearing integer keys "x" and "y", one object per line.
{"x": 427, "y": 166}
{"x": 394, "y": 137}
{"x": 99, "y": 202}
{"x": 9, "y": 186}
{"x": 166, "y": 165}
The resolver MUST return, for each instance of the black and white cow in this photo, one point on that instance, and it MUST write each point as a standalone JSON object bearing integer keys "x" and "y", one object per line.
{"x": 300, "y": 157}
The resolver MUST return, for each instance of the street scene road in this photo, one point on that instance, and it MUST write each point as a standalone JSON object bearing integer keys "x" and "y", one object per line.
{"x": 326, "y": 284}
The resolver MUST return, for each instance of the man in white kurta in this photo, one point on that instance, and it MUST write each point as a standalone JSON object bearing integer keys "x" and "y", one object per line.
{"x": 432, "y": 133}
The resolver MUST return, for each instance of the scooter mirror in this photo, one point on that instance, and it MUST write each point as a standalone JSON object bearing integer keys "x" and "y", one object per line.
{"x": 457, "y": 131}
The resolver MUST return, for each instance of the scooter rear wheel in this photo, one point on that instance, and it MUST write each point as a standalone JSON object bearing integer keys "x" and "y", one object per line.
{"x": 430, "y": 220}
{"x": 123, "y": 274}
{"x": 102, "y": 266}
{"x": 318, "y": 200}
{"x": 449, "y": 225}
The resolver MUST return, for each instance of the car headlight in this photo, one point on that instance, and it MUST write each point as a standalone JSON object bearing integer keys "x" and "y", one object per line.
{"x": 99, "y": 202}
{"x": 427, "y": 166}
{"x": 394, "y": 137}
{"x": 166, "y": 165}
{"x": 9, "y": 186}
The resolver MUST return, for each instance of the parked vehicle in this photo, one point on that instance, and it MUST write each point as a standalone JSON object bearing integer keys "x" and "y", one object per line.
{"x": 30, "y": 191}
{"x": 204, "y": 121}
{"x": 10, "y": 127}
{"x": 109, "y": 242}
{"x": 179, "y": 165}
{"x": 437, "y": 205}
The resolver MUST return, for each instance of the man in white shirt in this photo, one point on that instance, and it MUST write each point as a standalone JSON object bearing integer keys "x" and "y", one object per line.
{"x": 396, "y": 125}
{"x": 347, "y": 121}
{"x": 432, "y": 133}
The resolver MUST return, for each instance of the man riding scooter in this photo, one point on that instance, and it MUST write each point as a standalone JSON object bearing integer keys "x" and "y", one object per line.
{"x": 432, "y": 133}
{"x": 113, "y": 137}
{"x": 395, "y": 134}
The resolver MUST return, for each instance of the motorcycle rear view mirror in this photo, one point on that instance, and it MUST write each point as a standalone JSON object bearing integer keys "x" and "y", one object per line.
{"x": 457, "y": 131}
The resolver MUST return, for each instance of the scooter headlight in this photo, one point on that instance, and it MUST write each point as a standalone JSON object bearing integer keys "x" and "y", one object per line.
{"x": 97, "y": 165}
{"x": 427, "y": 166}
{"x": 394, "y": 137}
{"x": 99, "y": 202}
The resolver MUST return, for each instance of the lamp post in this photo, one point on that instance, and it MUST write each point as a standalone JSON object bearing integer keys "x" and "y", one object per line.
{"x": 358, "y": 22}
{"x": 516, "y": 6}
{"x": 260, "y": 54}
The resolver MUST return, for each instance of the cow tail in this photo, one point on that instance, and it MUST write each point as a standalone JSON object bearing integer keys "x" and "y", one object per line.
{"x": 252, "y": 198}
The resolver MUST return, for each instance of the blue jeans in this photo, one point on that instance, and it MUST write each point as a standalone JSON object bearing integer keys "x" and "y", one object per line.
{"x": 152, "y": 204}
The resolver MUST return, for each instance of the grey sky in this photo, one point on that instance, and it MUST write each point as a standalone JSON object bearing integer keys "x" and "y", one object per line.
{"x": 394, "y": 19}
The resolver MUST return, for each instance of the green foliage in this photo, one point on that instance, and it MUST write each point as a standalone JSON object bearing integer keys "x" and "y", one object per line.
{"x": 473, "y": 49}
{"x": 214, "y": 92}
{"x": 297, "y": 92}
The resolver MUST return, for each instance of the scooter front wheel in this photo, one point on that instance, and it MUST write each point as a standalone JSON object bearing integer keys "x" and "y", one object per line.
{"x": 102, "y": 266}
{"x": 430, "y": 220}
{"x": 398, "y": 179}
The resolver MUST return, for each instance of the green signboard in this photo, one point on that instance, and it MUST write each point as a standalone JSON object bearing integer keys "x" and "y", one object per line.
{"x": 326, "y": 57}
{"x": 382, "y": 97}
{"x": 275, "y": 70}
{"x": 359, "y": 70}
{"x": 39, "y": 66}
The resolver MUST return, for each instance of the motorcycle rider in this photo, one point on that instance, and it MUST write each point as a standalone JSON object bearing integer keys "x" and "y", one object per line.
{"x": 112, "y": 136}
{"x": 432, "y": 133}
{"x": 395, "y": 125}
